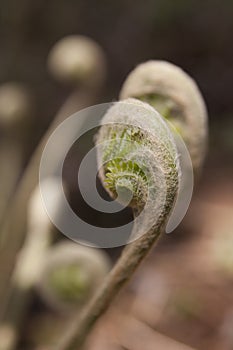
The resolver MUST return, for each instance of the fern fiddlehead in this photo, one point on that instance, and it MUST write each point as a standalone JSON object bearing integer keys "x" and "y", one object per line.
{"x": 137, "y": 155}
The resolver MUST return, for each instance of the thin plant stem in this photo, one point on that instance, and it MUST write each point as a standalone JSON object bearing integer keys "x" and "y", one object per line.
{"x": 130, "y": 259}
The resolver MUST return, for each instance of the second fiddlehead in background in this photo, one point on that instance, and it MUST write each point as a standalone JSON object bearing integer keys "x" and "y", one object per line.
{"x": 176, "y": 96}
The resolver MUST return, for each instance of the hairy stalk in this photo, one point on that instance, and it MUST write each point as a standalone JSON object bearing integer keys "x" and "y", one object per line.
{"x": 138, "y": 154}
{"x": 130, "y": 259}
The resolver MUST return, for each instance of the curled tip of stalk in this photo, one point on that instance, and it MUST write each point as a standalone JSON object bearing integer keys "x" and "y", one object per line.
{"x": 176, "y": 96}
{"x": 70, "y": 275}
{"x": 77, "y": 59}
{"x": 136, "y": 152}
{"x": 138, "y": 155}
{"x": 15, "y": 105}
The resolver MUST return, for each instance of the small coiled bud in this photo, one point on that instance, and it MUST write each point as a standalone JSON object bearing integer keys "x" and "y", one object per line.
{"x": 176, "y": 97}
{"x": 77, "y": 59}
{"x": 70, "y": 275}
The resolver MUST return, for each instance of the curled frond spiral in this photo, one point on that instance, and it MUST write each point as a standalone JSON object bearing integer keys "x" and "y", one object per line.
{"x": 138, "y": 160}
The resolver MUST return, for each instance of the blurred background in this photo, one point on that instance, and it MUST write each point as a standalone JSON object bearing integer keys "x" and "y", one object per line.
{"x": 193, "y": 35}
{"x": 183, "y": 292}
